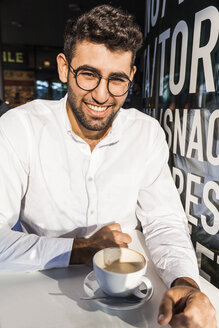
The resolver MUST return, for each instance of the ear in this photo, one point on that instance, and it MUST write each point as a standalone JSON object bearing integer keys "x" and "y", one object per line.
{"x": 133, "y": 71}
{"x": 62, "y": 67}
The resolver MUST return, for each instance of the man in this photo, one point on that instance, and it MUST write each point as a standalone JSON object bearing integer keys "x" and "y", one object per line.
{"x": 84, "y": 167}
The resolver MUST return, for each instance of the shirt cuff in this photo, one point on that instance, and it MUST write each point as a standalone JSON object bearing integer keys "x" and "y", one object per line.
{"x": 178, "y": 272}
{"x": 60, "y": 253}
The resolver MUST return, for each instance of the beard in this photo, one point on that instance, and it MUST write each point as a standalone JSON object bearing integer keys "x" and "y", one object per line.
{"x": 94, "y": 123}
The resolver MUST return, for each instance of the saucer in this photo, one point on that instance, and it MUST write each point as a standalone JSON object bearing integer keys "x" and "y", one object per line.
{"x": 92, "y": 288}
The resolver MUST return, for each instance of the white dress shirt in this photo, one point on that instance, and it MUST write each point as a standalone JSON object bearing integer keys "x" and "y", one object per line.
{"x": 60, "y": 189}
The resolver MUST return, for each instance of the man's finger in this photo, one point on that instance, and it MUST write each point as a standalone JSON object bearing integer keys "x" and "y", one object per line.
{"x": 114, "y": 226}
{"x": 124, "y": 245}
{"x": 121, "y": 237}
{"x": 165, "y": 310}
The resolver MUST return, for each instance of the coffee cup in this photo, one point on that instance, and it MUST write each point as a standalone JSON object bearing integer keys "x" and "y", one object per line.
{"x": 120, "y": 271}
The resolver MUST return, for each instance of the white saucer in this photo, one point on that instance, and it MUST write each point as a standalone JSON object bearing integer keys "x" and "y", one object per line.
{"x": 92, "y": 288}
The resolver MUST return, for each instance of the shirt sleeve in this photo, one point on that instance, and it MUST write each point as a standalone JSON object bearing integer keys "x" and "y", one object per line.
{"x": 20, "y": 251}
{"x": 163, "y": 220}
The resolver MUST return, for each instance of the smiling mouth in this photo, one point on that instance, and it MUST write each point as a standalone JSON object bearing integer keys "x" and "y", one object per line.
{"x": 97, "y": 108}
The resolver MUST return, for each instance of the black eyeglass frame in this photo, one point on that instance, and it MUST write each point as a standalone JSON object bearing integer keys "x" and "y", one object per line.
{"x": 75, "y": 71}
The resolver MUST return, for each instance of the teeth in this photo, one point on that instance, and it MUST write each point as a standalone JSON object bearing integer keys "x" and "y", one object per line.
{"x": 97, "y": 108}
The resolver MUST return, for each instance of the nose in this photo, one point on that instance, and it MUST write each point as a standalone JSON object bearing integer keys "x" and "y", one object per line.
{"x": 101, "y": 93}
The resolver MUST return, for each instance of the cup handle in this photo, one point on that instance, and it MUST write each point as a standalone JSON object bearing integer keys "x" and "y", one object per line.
{"x": 137, "y": 292}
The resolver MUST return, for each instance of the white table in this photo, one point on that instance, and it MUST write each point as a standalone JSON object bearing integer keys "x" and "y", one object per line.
{"x": 51, "y": 299}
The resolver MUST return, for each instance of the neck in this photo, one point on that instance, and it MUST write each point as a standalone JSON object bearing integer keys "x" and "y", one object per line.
{"x": 91, "y": 137}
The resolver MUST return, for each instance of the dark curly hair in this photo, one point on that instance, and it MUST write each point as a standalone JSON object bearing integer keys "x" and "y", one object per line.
{"x": 106, "y": 25}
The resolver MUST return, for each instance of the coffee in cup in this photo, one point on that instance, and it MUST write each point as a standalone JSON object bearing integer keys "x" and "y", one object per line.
{"x": 123, "y": 267}
{"x": 120, "y": 271}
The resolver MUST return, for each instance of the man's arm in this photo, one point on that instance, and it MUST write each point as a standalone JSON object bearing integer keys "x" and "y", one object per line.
{"x": 166, "y": 232}
{"x": 20, "y": 251}
{"x": 162, "y": 217}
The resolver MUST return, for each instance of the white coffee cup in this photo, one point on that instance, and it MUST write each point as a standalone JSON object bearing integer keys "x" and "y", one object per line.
{"x": 120, "y": 271}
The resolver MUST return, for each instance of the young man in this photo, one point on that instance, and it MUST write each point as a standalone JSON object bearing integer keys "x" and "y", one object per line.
{"x": 85, "y": 167}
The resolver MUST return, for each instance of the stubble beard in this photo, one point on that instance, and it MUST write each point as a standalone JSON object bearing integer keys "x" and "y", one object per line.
{"x": 94, "y": 124}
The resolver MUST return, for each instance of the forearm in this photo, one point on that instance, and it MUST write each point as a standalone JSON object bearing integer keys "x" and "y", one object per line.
{"x": 165, "y": 228}
{"x": 173, "y": 257}
{"x": 23, "y": 252}
{"x": 80, "y": 251}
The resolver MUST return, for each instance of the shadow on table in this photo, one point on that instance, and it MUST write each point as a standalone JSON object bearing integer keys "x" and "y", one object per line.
{"x": 136, "y": 317}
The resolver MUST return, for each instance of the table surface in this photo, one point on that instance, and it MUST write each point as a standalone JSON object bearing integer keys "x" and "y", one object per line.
{"x": 51, "y": 298}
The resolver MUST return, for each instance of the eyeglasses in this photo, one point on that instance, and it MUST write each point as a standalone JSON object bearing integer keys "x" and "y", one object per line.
{"x": 88, "y": 79}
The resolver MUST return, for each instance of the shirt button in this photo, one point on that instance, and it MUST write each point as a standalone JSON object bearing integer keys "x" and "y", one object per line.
{"x": 92, "y": 212}
{"x": 90, "y": 179}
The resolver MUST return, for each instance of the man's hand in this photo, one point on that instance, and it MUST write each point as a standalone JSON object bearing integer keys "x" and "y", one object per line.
{"x": 185, "y": 306}
{"x": 108, "y": 236}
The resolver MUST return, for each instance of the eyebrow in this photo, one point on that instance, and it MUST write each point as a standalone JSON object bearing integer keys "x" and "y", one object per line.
{"x": 96, "y": 70}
